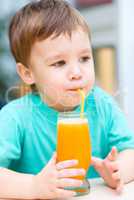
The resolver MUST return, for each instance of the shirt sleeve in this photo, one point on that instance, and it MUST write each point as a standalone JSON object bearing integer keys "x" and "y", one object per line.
{"x": 10, "y": 139}
{"x": 120, "y": 134}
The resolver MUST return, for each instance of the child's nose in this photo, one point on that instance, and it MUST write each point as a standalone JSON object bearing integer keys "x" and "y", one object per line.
{"x": 74, "y": 73}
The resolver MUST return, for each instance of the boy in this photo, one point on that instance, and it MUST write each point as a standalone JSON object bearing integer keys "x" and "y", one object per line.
{"x": 51, "y": 45}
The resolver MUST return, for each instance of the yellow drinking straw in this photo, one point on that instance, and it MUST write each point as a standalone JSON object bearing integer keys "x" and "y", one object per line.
{"x": 82, "y": 94}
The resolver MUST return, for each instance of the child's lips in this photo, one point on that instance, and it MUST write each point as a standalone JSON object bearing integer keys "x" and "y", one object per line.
{"x": 74, "y": 89}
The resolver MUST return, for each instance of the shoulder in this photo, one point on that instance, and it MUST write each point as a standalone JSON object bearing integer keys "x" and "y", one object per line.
{"x": 104, "y": 104}
{"x": 100, "y": 98}
{"x": 17, "y": 107}
{"x": 103, "y": 99}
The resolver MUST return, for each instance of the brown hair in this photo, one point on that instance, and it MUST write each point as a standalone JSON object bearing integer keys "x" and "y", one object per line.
{"x": 39, "y": 20}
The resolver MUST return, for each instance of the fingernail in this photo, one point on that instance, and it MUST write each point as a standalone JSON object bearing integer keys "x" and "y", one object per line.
{"x": 83, "y": 171}
{"x": 75, "y": 161}
{"x": 74, "y": 194}
{"x": 81, "y": 183}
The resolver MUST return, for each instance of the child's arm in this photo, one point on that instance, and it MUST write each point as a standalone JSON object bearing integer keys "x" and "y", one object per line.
{"x": 16, "y": 185}
{"x": 116, "y": 169}
{"x": 47, "y": 184}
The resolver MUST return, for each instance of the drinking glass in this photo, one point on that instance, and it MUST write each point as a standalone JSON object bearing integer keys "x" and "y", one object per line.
{"x": 73, "y": 142}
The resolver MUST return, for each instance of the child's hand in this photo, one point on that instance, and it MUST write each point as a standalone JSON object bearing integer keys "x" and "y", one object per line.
{"x": 51, "y": 181}
{"x": 109, "y": 169}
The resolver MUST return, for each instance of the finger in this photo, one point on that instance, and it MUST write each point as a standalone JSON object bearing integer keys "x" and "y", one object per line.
{"x": 114, "y": 166}
{"x": 65, "y": 193}
{"x": 116, "y": 176}
{"x": 111, "y": 166}
{"x": 71, "y": 173}
{"x": 68, "y": 182}
{"x": 96, "y": 162}
{"x": 113, "y": 154}
{"x": 66, "y": 164}
{"x": 119, "y": 188}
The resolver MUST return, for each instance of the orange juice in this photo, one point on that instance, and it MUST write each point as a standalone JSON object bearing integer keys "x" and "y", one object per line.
{"x": 73, "y": 141}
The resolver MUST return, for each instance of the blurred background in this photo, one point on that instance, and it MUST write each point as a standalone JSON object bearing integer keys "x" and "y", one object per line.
{"x": 112, "y": 29}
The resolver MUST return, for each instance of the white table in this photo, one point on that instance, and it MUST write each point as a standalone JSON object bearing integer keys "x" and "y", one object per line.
{"x": 99, "y": 191}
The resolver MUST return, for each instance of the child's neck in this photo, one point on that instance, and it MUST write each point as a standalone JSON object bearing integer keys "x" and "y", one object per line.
{"x": 67, "y": 109}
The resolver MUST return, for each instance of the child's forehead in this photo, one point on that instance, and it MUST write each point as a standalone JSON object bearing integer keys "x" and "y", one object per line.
{"x": 78, "y": 37}
{"x": 69, "y": 35}
{"x": 78, "y": 41}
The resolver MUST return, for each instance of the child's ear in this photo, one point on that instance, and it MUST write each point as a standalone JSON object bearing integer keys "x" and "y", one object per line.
{"x": 25, "y": 74}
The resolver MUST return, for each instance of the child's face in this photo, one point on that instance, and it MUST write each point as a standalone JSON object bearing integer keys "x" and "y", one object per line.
{"x": 60, "y": 67}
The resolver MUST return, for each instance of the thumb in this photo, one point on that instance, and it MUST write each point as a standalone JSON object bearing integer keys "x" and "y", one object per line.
{"x": 113, "y": 154}
{"x": 53, "y": 159}
{"x": 51, "y": 163}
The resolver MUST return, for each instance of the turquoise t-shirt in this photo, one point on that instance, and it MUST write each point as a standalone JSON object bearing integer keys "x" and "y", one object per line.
{"x": 28, "y": 131}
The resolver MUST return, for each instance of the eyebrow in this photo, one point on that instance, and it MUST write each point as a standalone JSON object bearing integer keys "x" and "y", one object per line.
{"x": 55, "y": 57}
{"x": 60, "y": 55}
{"x": 87, "y": 50}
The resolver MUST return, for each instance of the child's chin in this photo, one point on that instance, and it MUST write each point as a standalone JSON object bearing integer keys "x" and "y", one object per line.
{"x": 72, "y": 104}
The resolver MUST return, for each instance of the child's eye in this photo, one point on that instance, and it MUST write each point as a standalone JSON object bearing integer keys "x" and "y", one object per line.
{"x": 84, "y": 59}
{"x": 59, "y": 63}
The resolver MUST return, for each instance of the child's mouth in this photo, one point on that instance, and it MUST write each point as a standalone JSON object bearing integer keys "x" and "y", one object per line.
{"x": 75, "y": 89}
